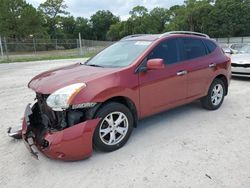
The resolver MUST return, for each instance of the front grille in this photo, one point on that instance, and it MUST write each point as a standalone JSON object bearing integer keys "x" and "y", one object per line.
{"x": 241, "y": 65}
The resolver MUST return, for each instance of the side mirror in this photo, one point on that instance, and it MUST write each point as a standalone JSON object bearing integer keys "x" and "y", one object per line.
{"x": 155, "y": 64}
{"x": 228, "y": 51}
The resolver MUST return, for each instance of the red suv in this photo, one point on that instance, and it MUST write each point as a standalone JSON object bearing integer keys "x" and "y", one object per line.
{"x": 98, "y": 103}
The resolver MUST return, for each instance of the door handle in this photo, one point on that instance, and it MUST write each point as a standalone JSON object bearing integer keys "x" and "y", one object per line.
{"x": 212, "y": 65}
{"x": 181, "y": 73}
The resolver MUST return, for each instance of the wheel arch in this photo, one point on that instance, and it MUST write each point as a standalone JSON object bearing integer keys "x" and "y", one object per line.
{"x": 122, "y": 100}
{"x": 128, "y": 103}
{"x": 225, "y": 81}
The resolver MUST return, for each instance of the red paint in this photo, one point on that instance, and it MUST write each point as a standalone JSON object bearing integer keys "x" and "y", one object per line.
{"x": 151, "y": 91}
{"x": 74, "y": 143}
{"x": 155, "y": 64}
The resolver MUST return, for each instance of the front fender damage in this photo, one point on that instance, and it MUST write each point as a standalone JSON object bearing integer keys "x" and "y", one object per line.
{"x": 70, "y": 144}
{"x": 73, "y": 143}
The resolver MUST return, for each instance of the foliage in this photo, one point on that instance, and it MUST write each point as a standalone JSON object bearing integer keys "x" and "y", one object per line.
{"x": 218, "y": 18}
{"x": 83, "y": 27}
{"x": 52, "y": 10}
{"x": 19, "y": 20}
{"x": 101, "y": 22}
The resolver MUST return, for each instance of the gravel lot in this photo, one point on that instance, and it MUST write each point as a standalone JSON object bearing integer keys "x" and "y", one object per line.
{"x": 184, "y": 147}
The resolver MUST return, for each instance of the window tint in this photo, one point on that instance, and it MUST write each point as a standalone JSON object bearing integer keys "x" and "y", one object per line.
{"x": 167, "y": 50}
{"x": 211, "y": 46}
{"x": 193, "y": 48}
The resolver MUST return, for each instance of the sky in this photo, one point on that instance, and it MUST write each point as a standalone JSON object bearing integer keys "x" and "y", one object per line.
{"x": 86, "y": 8}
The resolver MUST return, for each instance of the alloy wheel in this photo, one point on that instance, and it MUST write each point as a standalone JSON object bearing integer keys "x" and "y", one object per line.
{"x": 217, "y": 94}
{"x": 113, "y": 128}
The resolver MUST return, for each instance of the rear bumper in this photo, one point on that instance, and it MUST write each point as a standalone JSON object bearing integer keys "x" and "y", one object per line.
{"x": 73, "y": 143}
{"x": 241, "y": 71}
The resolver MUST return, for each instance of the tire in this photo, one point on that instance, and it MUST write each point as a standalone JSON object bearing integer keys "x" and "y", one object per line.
{"x": 215, "y": 96}
{"x": 109, "y": 134}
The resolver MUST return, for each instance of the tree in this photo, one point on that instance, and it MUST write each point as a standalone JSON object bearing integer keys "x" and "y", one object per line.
{"x": 67, "y": 26}
{"x": 83, "y": 27}
{"x": 138, "y": 12}
{"x": 140, "y": 21}
{"x": 19, "y": 20}
{"x": 220, "y": 18}
{"x": 101, "y": 22}
{"x": 52, "y": 10}
{"x": 229, "y": 18}
{"x": 176, "y": 19}
{"x": 192, "y": 16}
{"x": 31, "y": 23}
{"x": 158, "y": 18}
{"x": 118, "y": 31}
{"x": 197, "y": 14}
{"x": 136, "y": 22}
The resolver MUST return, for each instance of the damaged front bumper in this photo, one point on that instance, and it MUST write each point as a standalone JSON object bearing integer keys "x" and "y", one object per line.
{"x": 15, "y": 132}
{"x": 70, "y": 144}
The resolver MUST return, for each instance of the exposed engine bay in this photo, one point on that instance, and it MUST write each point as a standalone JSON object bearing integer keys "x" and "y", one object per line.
{"x": 44, "y": 119}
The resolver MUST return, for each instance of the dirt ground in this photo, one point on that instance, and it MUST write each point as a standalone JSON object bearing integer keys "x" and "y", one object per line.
{"x": 183, "y": 147}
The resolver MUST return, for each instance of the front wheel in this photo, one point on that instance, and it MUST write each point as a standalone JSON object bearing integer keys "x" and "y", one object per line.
{"x": 115, "y": 127}
{"x": 215, "y": 96}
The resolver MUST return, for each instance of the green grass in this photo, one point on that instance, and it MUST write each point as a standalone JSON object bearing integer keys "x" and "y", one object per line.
{"x": 40, "y": 57}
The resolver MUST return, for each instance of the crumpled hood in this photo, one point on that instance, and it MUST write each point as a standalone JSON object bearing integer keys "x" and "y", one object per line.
{"x": 241, "y": 58}
{"x": 50, "y": 81}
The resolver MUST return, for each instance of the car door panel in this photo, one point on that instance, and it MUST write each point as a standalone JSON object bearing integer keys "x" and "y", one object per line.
{"x": 165, "y": 88}
{"x": 162, "y": 89}
{"x": 198, "y": 77}
{"x": 195, "y": 55}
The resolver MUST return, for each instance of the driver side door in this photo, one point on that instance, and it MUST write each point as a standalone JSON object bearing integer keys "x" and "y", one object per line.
{"x": 164, "y": 88}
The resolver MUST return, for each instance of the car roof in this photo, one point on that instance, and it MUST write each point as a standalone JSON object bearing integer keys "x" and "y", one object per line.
{"x": 144, "y": 37}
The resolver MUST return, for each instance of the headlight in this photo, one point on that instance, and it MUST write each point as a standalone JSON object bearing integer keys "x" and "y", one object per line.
{"x": 61, "y": 99}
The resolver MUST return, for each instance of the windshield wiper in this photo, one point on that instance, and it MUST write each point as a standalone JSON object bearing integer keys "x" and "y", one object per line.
{"x": 94, "y": 65}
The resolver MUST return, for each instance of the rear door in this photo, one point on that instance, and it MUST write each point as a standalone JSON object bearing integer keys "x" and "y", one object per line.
{"x": 195, "y": 54}
{"x": 165, "y": 88}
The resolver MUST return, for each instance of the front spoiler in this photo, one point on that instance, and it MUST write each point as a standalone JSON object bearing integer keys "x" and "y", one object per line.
{"x": 70, "y": 144}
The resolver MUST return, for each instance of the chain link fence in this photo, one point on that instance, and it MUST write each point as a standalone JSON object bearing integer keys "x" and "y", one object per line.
{"x": 233, "y": 40}
{"x": 39, "y": 49}
{"x": 235, "y": 43}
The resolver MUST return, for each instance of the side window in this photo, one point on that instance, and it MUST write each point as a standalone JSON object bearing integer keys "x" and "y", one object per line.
{"x": 166, "y": 50}
{"x": 193, "y": 48}
{"x": 211, "y": 46}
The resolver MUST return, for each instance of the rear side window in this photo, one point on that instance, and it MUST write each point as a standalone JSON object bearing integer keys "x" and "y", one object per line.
{"x": 166, "y": 50}
{"x": 211, "y": 46}
{"x": 193, "y": 48}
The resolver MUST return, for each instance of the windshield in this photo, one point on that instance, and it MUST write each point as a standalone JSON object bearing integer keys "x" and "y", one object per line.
{"x": 120, "y": 54}
{"x": 245, "y": 49}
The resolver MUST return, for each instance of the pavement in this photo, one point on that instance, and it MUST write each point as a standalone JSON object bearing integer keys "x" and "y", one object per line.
{"x": 184, "y": 147}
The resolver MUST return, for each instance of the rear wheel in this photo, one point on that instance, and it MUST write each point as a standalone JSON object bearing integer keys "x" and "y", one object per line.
{"x": 215, "y": 96}
{"x": 115, "y": 127}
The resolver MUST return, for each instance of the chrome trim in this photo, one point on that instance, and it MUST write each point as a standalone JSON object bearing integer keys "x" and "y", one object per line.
{"x": 184, "y": 32}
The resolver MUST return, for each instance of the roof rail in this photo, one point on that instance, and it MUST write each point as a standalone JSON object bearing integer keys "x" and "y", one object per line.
{"x": 184, "y": 32}
{"x": 132, "y": 36}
